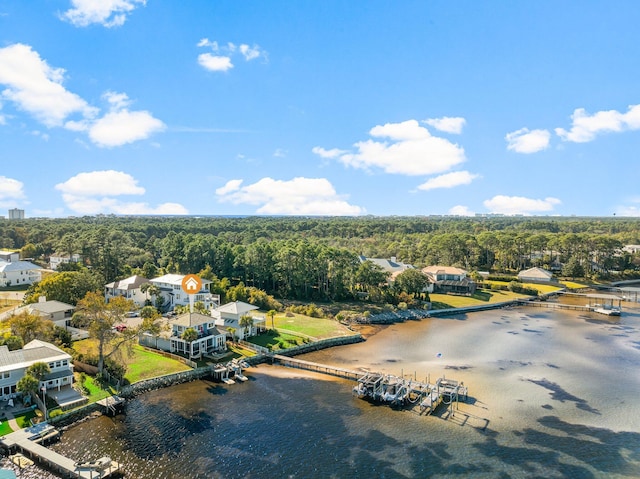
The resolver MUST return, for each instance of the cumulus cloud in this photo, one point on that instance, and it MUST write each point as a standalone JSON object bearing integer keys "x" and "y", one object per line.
{"x": 221, "y": 59}
{"x": 585, "y": 127}
{"x": 299, "y": 196}
{"x": 448, "y": 180}
{"x": 95, "y": 192}
{"x": 447, "y": 124}
{"x": 108, "y": 13}
{"x": 461, "y": 210}
{"x": 36, "y": 87}
{"x": 118, "y": 128}
{"x": 230, "y": 186}
{"x": 11, "y": 189}
{"x": 406, "y": 149}
{"x": 215, "y": 63}
{"x": 333, "y": 153}
{"x": 629, "y": 211}
{"x": 527, "y": 141}
{"x": 518, "y": 205}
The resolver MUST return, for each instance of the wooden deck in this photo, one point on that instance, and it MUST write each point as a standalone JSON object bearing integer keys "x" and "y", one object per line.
{"x": 26, "y": 441}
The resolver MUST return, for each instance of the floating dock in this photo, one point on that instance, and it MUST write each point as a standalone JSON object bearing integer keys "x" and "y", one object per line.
{"x": 27, "y": 441}
{"x": 394, "y": 390}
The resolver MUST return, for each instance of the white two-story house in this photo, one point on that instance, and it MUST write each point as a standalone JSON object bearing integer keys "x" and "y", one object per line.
{"x": 171, "y": 288}
{"x": 128, "y": 288}
{"x": 13, "y": 365}
{"x": 14, "y": 272}
{"x": 229, "y": 315}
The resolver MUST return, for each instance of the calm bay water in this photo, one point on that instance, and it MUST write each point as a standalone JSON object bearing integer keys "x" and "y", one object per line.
{"x": 554, "y": 394}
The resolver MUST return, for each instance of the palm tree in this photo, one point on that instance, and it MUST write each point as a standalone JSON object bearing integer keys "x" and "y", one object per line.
{"x": 272, "y": 314}
{"x": 246, "y": 322}
{"x": 189, "y": 335}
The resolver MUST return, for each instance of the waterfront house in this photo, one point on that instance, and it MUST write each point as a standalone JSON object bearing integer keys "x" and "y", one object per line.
{"x": 449, "y": 279}
{"x": 171, "y": 288}
{"x": 14, "y": 272}
{"x": 535, "y": 275}
{"x": 229, "y": 315}
{"x": 209, "y": 340}
{"x": 128, "y": 288}
{"x": 13, "y": 365}
{"x": 391, "y": 265}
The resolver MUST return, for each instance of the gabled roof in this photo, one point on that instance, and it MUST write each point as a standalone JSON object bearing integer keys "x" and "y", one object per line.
{"x": 237, "y": 307}
{"x": 6, "y": 266}
{"x": 190, "y": 320}
{"x": 32, "y": 352}
{"x": 51, "y": 307}
{"x": 175, "y": 279}
{"x": 537, "y": 273}
{"x": 132, "y": 282}
{"x": 390, "y": 265}
{"x": 443, "y": 270}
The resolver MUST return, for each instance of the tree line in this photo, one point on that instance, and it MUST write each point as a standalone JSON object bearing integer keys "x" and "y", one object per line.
{"x": 317, "y": 258}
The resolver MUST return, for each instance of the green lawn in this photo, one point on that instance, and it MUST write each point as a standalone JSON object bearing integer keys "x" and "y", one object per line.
{"x": 281, "y": 340}
{"x": 445, "y": 301}
{"x": 145, "y": 364}
{"x": 5, "y": 428}
{"x": 318, "y": 328}
{"x": 141, "y": 364}
{"x": 95, "y": 391}
{"x": 24, "y": 420}
{"x": 542, "y": 288}
{"x": 574, "y": 285}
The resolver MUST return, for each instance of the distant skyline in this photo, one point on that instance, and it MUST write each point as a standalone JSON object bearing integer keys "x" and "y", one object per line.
{"x": 319, "y": 108}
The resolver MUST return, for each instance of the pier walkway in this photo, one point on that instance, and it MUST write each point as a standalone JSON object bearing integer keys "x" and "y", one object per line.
{"x": 548, "y": 305}
{"x": 395, "y": 390}
{"x": 27, "y": 441}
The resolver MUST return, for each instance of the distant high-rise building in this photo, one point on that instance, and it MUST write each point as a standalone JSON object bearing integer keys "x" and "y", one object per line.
{"x": 16, "y": 214}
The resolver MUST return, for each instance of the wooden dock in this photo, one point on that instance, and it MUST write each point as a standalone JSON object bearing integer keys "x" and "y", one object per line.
{"x": 394, "y": 390}
{"x": 27, "y": 442}
{"x": 549, "y": 305}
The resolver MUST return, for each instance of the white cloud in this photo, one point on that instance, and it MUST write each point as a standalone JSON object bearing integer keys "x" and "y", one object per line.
{"x": 448, "y": 180}
{"x": 94, "y": 193}
{"x": 221, "y": 61}
{"x": 117, "y": 128}
{"x": 230, "y": 186}
{"x": 36, "y": 88}
{"x": 518, "y": 205}
{"x": 586, "y": 127}
{"x": 280, "y": 153}
{"x": 109, "y": 13}
{"x": 447, "y": 124}
{"x": 101, "y": 183}
{"x": 409, "y": 149}
{"x": 215, "y": 63}
{"x": 461, "y": 210}
{"x": 333, "y": 153}
{"x": 299, "y": 196}
{"x": 527, "y": 141}
{"x": 11, "y": 189}
{"x": 250, "y": 53}
{"x": 630, "y": 211}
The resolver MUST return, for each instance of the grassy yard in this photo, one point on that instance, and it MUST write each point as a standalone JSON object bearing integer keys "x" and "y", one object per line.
{"x": 574, "y": 285}
{"x": 5, "y": 428}
{"x": 281, "y": 340}
{"x": 95, "y": 391}
{"x": 318, "y": 328}
{"x": 445, "y": 301}
{"x": 141, "y": 364}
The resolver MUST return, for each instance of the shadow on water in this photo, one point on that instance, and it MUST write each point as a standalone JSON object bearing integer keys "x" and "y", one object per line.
{"x": 559, "y": 394}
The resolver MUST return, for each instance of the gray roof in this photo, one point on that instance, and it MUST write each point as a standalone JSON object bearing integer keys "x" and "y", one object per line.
{"x": 32, "y": 352}
{"x": 17, "y": 266}
{"x": 52, "y": 307}
{"x": 190, "y": 320}
{"x": 237, "y": 307}
{"x": 61, "y": 373}
{"x": 133, "y": 282}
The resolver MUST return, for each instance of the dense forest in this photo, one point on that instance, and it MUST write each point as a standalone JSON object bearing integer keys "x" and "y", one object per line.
{"x": 316, "y": 258}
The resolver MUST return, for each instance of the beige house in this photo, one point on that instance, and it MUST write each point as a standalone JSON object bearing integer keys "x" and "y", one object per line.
{"x": 449, "y": 279}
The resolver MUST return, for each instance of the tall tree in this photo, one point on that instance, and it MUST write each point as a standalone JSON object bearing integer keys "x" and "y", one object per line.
{"x": 100, "y": 319}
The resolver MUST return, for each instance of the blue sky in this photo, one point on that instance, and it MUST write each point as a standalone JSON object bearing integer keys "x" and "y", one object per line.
{"x": 319, "y": 108}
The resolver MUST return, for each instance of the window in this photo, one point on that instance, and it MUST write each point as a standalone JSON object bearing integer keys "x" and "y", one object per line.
{"x": 6, "y": 375}
{"x": 58, "y": 364}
